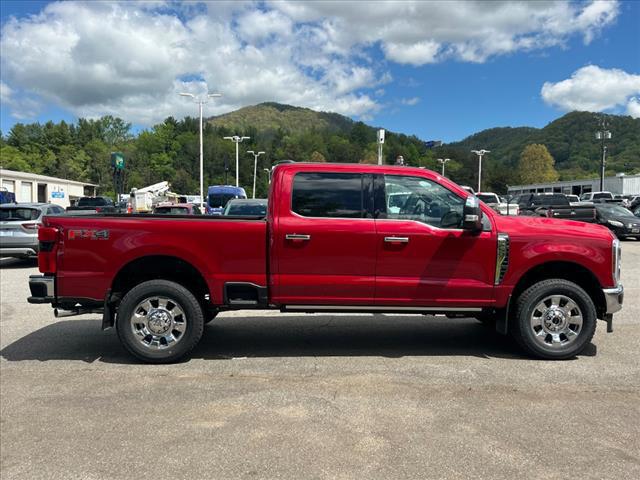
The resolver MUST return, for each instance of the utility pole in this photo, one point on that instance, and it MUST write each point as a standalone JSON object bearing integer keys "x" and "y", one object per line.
{"x": 603, "y": 134}
{"x": 236, "y": 139}
{"x": 200, "y": 103}
{"x": 480, "y": 153}
{"x": 380, "y": 143}
{"x": 255, "y": 168}
{"x": 443, "y": 161}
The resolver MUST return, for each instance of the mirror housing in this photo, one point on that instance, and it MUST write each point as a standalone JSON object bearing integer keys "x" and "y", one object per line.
{"x": 472, "y": 215}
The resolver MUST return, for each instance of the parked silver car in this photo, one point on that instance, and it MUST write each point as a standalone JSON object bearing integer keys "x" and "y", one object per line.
{"x": 19, "y": 223}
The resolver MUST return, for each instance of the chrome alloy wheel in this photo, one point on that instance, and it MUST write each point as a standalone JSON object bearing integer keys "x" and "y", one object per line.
{"x": 556, "y": 321}
{"x": 158, "y": 322}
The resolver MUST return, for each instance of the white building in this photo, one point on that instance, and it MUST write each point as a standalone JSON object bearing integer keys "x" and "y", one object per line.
{"x": 620, "y": 184}
{"x": 31, "y": 187}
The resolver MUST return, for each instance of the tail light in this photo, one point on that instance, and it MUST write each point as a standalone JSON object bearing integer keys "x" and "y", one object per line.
{"x": 30, "y": 227}
{"x": 98, "y": 209}
{"x": 48, "y": 239}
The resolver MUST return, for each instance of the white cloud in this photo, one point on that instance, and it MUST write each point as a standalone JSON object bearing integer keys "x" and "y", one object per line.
{"x": 5, "y": 93}
{"x": 131, "y": 59}
{"x": 592, "y": 88}
{"x": 633, "y": 107}
{"x": 410, "y": 101}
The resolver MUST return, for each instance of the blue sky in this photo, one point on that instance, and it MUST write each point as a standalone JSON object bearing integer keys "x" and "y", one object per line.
{"x": 439, "y": 70}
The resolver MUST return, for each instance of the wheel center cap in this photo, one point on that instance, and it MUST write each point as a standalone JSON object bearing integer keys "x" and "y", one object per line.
{"x": 554, "y": 319}
{"x": 159, "y": 321}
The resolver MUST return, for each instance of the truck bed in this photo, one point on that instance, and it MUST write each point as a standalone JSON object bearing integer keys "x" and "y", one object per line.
{"x": 94, "y": 249}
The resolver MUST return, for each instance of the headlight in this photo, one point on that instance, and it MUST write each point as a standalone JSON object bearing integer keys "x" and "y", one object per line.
{"x": 615, "y": 223}
{"x": 616, "y": 257}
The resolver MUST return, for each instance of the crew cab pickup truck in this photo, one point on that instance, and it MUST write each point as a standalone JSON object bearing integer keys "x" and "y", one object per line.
{"x": 330, "y": 244}
{"x": 554, "y": 205}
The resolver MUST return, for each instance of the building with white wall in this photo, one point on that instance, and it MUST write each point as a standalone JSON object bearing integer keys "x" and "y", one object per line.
{"x": 621, "y": 184}
{"x": 31, "y": 187}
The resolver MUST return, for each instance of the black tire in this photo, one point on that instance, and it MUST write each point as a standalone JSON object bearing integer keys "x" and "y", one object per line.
{"x": 210, "y": 315}
{"x": 523, "y": 331}
{"x": 182, "y": 297}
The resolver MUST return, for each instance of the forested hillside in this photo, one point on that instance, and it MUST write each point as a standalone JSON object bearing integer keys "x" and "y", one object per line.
{"x": 169, "y": 150}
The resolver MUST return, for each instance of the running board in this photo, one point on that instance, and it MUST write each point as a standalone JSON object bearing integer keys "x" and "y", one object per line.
{"x": 376, "y": 309}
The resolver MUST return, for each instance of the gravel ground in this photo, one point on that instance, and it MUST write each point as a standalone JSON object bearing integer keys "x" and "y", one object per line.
{"x": 268, "y": 395}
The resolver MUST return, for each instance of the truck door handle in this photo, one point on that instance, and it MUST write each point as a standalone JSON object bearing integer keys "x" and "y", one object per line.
{"x": 296, "y": 236}
{"x": 396, "y": 239}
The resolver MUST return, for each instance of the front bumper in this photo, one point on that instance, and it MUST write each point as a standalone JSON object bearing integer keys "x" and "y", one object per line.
{"x": 614, "y": 298}
{"x": 42, "y": 289}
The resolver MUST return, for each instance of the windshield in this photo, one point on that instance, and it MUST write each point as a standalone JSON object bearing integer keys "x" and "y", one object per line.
{"x": 172, "y": 210}
{"x": 613, "y": 210}
{"x": 487, "y": 198}
{"x": 92, "y": 202}
{"x": 599, "y": 196}
{"x": 246, "y": 209}
{"x": 219, "y": 200}
{"x": 19, "y": 213}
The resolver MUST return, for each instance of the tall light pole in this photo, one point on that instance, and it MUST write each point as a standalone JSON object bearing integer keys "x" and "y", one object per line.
{"x": 255, "y": 168}
{"x": 602, "y": 135}
{"x": 443, "y": 161}
{"x": 236, "y": 139}
{"x": 480, "y": 153}
{"x": 201, "y": 102}
{"x": 268, "y": 170}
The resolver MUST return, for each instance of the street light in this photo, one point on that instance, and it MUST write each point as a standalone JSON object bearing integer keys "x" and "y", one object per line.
{"x": 236, "y": 139}
{"x": 603, "y": 135}
{"x": 201, "y": 102}
{"x": 255, "y": 168}
{"x": 443, "y": 161}
{"x": 480, "y": 153}
{"x": 268, "y": 170}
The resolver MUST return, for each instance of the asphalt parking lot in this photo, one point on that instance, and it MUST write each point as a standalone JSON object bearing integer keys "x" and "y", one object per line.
{"x": 267, "y": 395}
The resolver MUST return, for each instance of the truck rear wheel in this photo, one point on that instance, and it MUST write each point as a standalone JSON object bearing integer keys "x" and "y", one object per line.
{"x": 159, "y": 321}
{"x": 554, "y": 319}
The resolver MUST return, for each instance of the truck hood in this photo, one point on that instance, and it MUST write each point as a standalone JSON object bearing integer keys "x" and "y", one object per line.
{"x": 551, "y": 227}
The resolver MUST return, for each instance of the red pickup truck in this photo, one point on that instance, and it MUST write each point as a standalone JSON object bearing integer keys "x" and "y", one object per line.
{"x": 336, "y": 238}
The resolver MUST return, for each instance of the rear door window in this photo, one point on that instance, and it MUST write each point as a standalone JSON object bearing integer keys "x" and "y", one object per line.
{"x": 333, "y": 195}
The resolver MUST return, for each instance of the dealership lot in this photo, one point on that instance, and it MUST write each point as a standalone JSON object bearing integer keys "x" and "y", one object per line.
{"x": 267, "y": 395}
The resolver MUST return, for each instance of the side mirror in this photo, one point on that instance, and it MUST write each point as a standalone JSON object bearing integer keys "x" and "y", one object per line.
{"x": 472, "y": 215}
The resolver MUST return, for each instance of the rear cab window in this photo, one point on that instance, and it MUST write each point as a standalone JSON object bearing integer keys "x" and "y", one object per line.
{"x": 328, "y": 195}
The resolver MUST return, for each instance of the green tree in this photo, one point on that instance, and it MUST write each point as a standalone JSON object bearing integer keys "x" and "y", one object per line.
{"x": 317, "y": 157}
{"x": 536, "y": 165}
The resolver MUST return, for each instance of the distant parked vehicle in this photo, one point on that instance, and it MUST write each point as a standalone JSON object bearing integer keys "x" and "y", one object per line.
{"x": 256, "y": 207}
{"x": 619, "y": 220}
{"x": 468, "y": 189}
{"x": 554, "y": 205}
{"x": 636, "y": 212}
{"x": 177, "y": 209}
{"x": 596, "y": 196}
{"x": 502, "y": 207}
{"x": 219, "y": 195}
{"x": 91, "y": 205}
{"x": 573, "y": 199}
{"x": 6, "y": 196}
{"x": 19, "y": 223}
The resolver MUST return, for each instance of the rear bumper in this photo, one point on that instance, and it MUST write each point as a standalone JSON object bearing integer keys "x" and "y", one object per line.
{"x": 42, "y": 289}
{"x": 614, "y": 298}
{"x": 18, "y": 252}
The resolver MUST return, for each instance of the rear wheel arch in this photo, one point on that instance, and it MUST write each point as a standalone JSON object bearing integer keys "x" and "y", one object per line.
{"x": 160, "y": 267}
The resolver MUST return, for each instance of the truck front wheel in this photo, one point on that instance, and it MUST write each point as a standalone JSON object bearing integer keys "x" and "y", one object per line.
{"x": 159, "y": 321}
{"x": 554, "y": 319}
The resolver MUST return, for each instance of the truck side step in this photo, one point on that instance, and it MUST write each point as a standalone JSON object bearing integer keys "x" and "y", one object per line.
{"x": 245, "y": 295}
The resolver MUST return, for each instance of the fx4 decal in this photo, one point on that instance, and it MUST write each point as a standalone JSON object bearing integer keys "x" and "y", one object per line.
{"x": 88, "y": 234}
